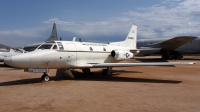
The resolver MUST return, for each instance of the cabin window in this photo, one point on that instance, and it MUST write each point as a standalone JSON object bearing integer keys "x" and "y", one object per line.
{"x": 104, "y": 49}
{"x": 60, "y": 45}
{"x": 91, "y": 49}
{"x": 45, "y": 46}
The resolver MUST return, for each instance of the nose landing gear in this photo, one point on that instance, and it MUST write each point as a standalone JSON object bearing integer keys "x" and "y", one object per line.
{"x": 86, "y": 71}
{"x": 45, "y": 77}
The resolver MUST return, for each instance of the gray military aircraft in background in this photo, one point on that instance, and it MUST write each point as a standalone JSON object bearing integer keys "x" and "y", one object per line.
{"x": 170, "y": 48}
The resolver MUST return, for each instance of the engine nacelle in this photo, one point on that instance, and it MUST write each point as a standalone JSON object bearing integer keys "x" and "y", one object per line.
{"x": 121, "y": 54}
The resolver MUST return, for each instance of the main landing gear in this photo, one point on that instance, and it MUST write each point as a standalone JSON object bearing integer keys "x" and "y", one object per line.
{"x": 86, "y": 71}
{"x": 45, "y": 77}
{"x": 172, "y": 56}
{"x": 105, "y": 72}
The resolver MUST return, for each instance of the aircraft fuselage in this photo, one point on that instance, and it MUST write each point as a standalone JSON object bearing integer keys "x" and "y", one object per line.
{"x": 67, "y": 55}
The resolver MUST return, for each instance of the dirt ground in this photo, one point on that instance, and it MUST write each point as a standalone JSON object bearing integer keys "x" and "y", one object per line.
{"x": 150, "y": 88}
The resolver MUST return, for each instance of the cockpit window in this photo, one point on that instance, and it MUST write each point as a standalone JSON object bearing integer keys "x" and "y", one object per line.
{"x": 60, "y": 45}
{"x": 45, "y": 46}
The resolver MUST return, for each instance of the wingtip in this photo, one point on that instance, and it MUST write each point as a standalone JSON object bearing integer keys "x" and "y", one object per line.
{"x": 192, "y": 63}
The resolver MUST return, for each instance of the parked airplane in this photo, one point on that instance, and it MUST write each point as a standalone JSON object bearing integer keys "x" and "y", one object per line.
{"x": 170, "y": 48}
{"x": 68, "y": 55}
{"x": 7, "y": 53}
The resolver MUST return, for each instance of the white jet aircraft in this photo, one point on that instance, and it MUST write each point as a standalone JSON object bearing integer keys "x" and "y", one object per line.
{"x": 68, "y": 55}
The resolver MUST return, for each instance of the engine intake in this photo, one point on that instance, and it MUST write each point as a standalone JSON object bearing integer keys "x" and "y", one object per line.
{"x": 121, "y": 54}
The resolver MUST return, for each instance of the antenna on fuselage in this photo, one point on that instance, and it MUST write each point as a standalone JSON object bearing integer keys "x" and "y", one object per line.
{"x": 60, "y": 38}
{"x": 80, "y": 40}
{"x": 74, "y": 39}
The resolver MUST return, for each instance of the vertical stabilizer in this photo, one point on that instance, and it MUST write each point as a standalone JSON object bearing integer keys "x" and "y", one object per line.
{"x": 130, "y": 40}
{"x": 53, "y": 35}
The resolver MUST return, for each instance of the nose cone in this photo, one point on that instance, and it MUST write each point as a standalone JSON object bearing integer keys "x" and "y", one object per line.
{"x": 18, "y": 61}
{"x": 8, "y": 61}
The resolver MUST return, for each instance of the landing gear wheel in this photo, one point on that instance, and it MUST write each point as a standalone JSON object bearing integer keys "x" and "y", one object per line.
{"x": 171, "y": 57}
{"x": 180, "y": 56}
{"x": 164, "y": 57}
{"x": 104, "y": 72}
{"x": 45, "y": 77}
{"x": 86, "y": 71}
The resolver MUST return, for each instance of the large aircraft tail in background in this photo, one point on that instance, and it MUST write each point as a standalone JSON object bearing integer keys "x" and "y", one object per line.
{"x": 53, "y": 35}
{"x": 130, "y": 40}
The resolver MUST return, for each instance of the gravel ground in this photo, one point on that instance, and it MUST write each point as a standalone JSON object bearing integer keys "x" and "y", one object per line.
{"x": 152, "y": 88}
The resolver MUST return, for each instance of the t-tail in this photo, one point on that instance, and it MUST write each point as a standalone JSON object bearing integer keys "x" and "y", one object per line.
{"x": 53, "y": 35}
{"x": 130, "y": 40}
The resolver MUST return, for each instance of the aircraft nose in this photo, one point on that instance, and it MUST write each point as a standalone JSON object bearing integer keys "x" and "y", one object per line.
{"x": 18, "y": 61}
{"x": 8, "y": 61}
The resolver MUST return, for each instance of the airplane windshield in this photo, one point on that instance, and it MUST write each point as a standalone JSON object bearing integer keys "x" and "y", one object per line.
{"x": 60, "y": 45}
{"x": 45, "y": 46}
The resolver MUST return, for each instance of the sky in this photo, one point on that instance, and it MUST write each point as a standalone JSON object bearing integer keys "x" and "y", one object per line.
{"x": 24, "y": 22}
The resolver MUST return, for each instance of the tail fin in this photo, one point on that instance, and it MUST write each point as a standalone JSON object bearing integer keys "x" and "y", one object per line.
{"x": 53, "y": 35}
{"x": 130, "y": 40}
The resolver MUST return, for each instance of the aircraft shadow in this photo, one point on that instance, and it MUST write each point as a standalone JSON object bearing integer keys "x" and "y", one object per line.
{"x": 95, "y": 76}
{"x": 190, "y": 59}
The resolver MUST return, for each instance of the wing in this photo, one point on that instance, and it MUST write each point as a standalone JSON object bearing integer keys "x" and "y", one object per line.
{"x": 169, "y": 45}
{"x": 103, "y": 65}
{"x": 176, "y": 42}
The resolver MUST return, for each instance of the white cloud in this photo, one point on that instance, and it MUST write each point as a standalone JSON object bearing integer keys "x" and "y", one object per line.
{"x": 22, "y": 33}
{"x": 57, "y": 21}
{"x": 170, "y": 18}
{"x": 182, "y": 19}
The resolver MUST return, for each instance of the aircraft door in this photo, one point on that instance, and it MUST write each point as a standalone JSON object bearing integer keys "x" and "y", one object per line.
{"x": 72, "y": 52}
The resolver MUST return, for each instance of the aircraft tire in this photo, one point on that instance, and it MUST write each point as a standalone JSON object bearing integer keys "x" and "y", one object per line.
{"x": 178, "y": 56}
{"x": 86, "y": 71}
{"x": 105, "y": 72}
{"x": 45, "y": 77}
{"x": 171, "y": 57}
{"x": 164, "y": 57}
